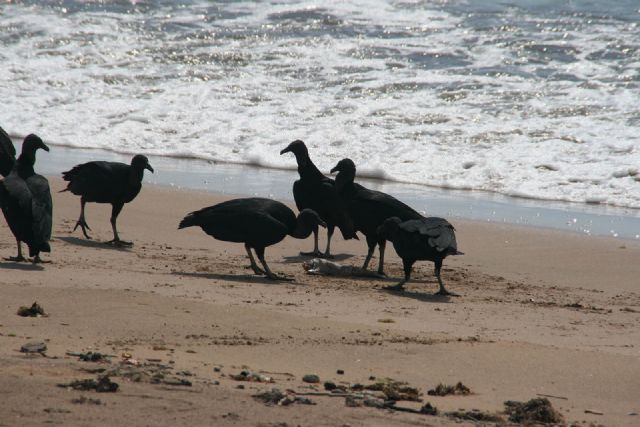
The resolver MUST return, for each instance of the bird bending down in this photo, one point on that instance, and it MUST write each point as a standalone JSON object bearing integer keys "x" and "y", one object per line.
{"x": 368, "y": 209}
{"x": 256, "y": 222}
{"x": 106, "y": 182}
{"x": 317, "y": 192}
{"x": 25, "y": 199}
{"x": 429, "y": 239}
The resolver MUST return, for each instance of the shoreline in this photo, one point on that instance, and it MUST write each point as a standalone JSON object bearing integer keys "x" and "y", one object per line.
{"x": 247, "y": 180}
{"x": 541, "y": 312}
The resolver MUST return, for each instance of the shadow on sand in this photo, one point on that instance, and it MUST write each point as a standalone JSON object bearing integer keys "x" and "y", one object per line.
{"x": 88, "y": 243}
{"x": 25, "y": 266}
{"x": 241, "y": 278}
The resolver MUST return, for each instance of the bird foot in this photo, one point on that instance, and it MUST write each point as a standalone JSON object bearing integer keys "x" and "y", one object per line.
{"x": 38, "y": 260}
{"x": 119, "y": 243}
{"x": 396, "y": 288}
{"x": 257, "y": 270}
{"x": 444, "y": 292}
{"x": 83, "y": 226}
{"x": 317, "y": 254}
{"x": 381, "y": 273}
{"x": 16, "y": 258}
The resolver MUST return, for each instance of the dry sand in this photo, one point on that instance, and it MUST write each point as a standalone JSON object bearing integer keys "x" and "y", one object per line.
{"x": 540, "y": 313}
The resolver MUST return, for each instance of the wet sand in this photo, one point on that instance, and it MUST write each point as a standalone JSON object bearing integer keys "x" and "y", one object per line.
{"x": 541, "y": 312}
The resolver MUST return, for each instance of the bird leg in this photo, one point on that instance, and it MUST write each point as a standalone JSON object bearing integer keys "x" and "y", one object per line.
{"x": 381, "y": 247}
{"x": 327, "y": 252}
{"x": 442, "y": 290}
{"x": 18, "y": 258}
{"x": 254, "y": 266}
{"x": 407, "y": 264}
{"x": 316, "y": 252}
{"x": 268, "y": 272}
{"x": 372, "y": 246}
{"x": 116, "y": 239}
{"x": 82, "y": 223}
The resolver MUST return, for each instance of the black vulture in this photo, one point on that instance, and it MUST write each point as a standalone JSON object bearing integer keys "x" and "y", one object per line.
{"x": 106, "y": 182}
{"x": 317, "y": 192}
{"x": 369, "y": 208}
{"x": 256, "y": 222}
{"x": 25, "y": 199}
{"x": 7, "y": 153}
{"x": 429, "y": 239}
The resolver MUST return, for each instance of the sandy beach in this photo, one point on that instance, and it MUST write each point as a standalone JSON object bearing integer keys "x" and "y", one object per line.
{"x": 541, "y": 313}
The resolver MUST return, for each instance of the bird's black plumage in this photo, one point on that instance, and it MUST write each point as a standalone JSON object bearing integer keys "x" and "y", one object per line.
{"x": 106, "y": 182}
{"x": 429, "y": 239}
{"x": 317, "y": 192}
{"x": 7, "y": 153}
{"x": 25, "y": 199}
{"x": 369, "y": 208}
{"x": 256, "y": 222}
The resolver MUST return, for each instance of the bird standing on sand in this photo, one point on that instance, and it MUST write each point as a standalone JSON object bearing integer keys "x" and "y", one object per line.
{"x": 430, "y": 239}
{"x": 25, "y": 199}
{"x": 7, "y": 153}
{"x": 369, "y": 208}
{"x": 317, "y": 192}
{"x": 106, "y": 182}
{"x": 257, "y": 223}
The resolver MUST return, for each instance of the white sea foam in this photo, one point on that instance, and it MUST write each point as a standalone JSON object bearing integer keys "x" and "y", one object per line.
{"x": 515, "y": 100}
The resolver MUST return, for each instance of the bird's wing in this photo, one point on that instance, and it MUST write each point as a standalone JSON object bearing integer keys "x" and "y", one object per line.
{"x": 105, "y": 179}
{"x": 384, "y": 205}
{"x": 437, "y": 232}
{"x": 338, "y": 210}
{"x": 300, "y": 196}
{"x": 7, "y": 153}
{"x": 41, "y": 207}
{"x": 16, "y": 188}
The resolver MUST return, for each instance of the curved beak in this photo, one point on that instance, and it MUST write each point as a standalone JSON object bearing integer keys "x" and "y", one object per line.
{"x": 44, "y": 147}
{"x": 322, "y": 224}
{"x": 149, "y": 168}
{"x": 335, "y": 169}
{"x": 286, "y": 150}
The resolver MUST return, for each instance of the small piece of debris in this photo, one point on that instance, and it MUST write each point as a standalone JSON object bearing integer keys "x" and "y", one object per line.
{"x": 34, "y": 347}
{"x": 537, "y": 410}
{"x": 476, "y": 416}
{"x": 386, "y": 321}
{"x": 102, "y": 385}
{"x": 330, "y": 385}
{"x": 34, "y": 311}
{"x": 311, "y": 379}
{"x": 340, "y": 372}
{"x": 89, "y": 356}
{"x": 56, "y": 411}
{"x": 394, "y": 390}
{"x": 445, "y": 390}
{"x": 277, "y": 397}
{"x": 428, "y": 409}
{"x": 593, "y": 411}
{"x": 82, "y": 400}
{"x": 252, "y": 377}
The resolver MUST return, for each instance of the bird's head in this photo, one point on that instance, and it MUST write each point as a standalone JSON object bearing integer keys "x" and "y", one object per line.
{"x": 297, "y": 147}
{"x": 388, "y": 227}
{"x": 311, "y": 219}
{"x": 140, "y": 162}
{"x": 32, "y": 142}
{"x": 345, "y": 165}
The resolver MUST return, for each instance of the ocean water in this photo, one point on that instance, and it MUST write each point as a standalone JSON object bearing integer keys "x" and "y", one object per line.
{"x": 534, "y": 99}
